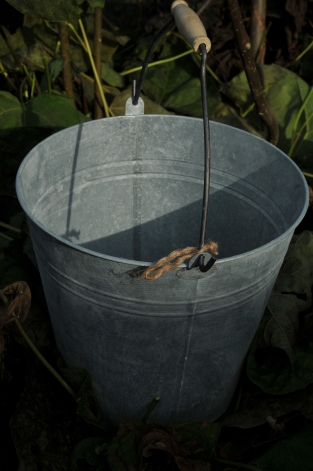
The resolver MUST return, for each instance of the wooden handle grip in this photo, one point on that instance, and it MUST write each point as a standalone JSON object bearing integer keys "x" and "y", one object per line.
{"x": 190, "y": 25}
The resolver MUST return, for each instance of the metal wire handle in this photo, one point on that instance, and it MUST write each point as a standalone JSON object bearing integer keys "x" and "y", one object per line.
{"x": 206, "y": 188}
{"x": 160, "y": 34}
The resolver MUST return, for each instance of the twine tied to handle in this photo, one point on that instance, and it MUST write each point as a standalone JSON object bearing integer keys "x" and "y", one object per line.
{"x": 176, "y": 258}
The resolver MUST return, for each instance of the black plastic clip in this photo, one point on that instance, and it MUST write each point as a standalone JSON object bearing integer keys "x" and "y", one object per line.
{"x": 199, "y": 262}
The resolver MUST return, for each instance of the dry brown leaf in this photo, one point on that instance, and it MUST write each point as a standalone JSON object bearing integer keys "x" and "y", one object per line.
{"x": 162, "y": 438}
{"x": 19, "y": 300}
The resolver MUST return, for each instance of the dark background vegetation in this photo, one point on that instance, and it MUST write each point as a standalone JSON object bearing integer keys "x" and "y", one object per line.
{"x": 47, "y": 84}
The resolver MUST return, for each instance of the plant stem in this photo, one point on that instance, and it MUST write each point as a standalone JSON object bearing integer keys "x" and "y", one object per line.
{"x": 197, "y": 56}
{"x": 6, "y": 76}
{"x": 151, "y": 407}
{"x": 37, "y": 352}
{"x": 302, "y": 109}
{"x": 43, "y": 360}
{"x": 11, "y": 228}
{"x": 309, "y": 175}
{"x": 264, "y": 35}
{"x": 97, "y": 79}
{"x": 253, "y": 78}
{"x": 4, "y": 236}
{"x": 236, "y": 463}
{"x": 33, "y": 85}
{"x": 57, "y": 48}
{"x": 77, "y": 36}
{"x": 257, "y": 29}
{"x": 298, "y": 135}
{"x": 98, "y": 113}
{"x": 162, "y": 61}
{"x": 46, "y": 61}
{"x": 65, "y": 53}
{"x": 304, "y": 52}
{"x": 203, "y": 7}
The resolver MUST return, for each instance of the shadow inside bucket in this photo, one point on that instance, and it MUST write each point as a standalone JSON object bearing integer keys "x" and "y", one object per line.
{"x": 181, "y": 228}
{"x": 133, "y": 217}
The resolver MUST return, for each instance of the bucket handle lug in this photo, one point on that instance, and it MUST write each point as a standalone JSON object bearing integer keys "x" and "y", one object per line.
{"x": 198, "y": 262}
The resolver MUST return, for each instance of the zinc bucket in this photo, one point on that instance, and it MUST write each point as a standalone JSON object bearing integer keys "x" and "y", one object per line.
{"x": 104, "y": 199}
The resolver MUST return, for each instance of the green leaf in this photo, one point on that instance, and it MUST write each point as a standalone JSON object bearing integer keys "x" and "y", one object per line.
{"x": 272, "y": 372}
{"x": 187, "y": 98}
{"x": 10, "y": 111}
{"x": 58, "y": 10}
{"x": 286, "y": 93}
{"x": 268, "y": 367}
{"x": 173, "y": 87}
{"x": 118, "y": 105}
{"x": 281, "y": 324}
{"x": 17, "y": 43}
{"x": 293, "y": 453}
{"x": 256, "y": 406}
{"x": 55, "y": 68}
{"x": 162, "y": 80}
{"x": 111, "y": 77}
{"x": 86, "y": 449}
{"x": 51, "y": 110}
{"x": 226, "y": 114}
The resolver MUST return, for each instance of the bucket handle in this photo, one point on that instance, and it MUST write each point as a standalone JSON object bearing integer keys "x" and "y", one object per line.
{"x": 192, "y": 29}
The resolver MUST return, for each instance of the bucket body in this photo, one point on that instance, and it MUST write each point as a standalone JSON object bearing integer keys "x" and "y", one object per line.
{"x": 106, "y": 197}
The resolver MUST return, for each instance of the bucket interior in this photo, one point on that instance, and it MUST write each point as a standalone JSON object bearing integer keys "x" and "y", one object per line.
{"x": 131, "y": 187}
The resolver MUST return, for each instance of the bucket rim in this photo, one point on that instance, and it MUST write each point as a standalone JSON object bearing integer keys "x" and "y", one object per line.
{"x": 140, "y": 263}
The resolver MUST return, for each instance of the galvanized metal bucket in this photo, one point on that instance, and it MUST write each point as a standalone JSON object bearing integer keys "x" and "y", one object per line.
{"x": 109, "y": 196}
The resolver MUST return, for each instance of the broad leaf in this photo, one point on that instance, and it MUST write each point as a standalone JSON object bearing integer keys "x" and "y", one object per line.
{"x": 267, "y": 367}
{"x": 162, "y": 80}
{"x": 10, "y": 111}
{"x": 17, "y": 43}
{"x": 111, "y": 77}
{"x": 256, "y": 406}
{"x": 272, "y": 371}
{"x": 51, "y": 110}
{"x": 281, "y": 324}
{"x": 55, "y": 68}
{"x": 173, "y": 87}
{"x": 292, "y": 453}
{"x": 58, "y": 10}
{"x": 286, "y": 93}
